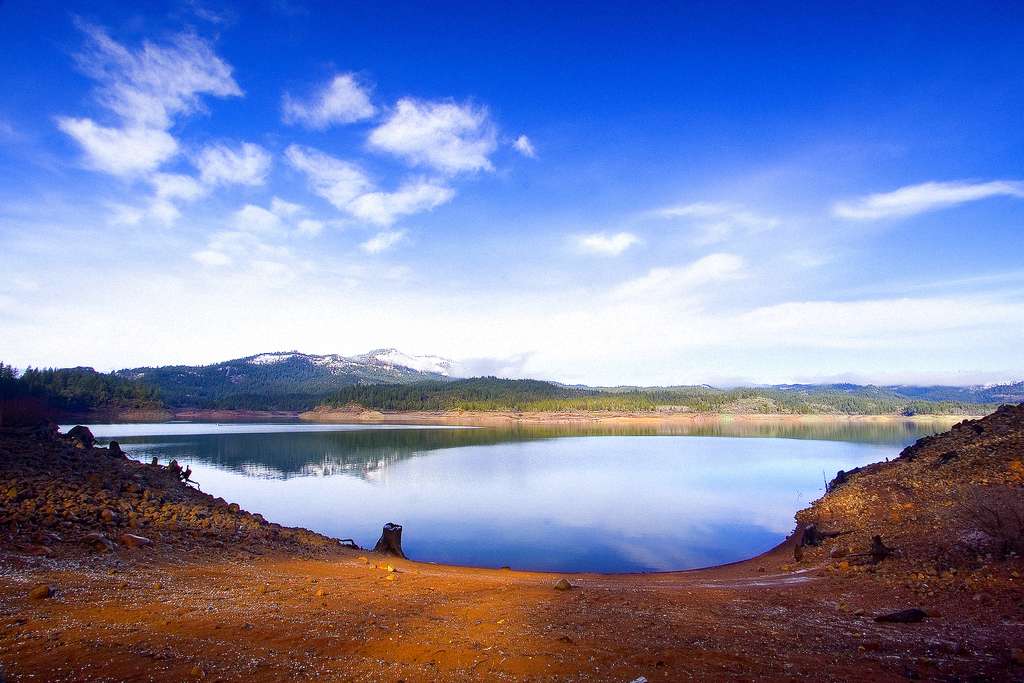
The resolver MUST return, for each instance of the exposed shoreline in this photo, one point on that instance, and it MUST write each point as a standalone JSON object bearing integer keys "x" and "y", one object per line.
{"x": 495, "y": 418}
{"x": 258, "y": 602}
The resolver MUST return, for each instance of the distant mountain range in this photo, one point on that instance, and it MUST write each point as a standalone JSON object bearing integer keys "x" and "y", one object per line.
{"x": 267, "y": 378}
{"x": 284, "y": 373}
{"x": 389, "y": 379}
{"x": 994, "y": 393}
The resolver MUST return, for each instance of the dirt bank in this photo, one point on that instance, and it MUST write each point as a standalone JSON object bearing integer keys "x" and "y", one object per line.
{"x": 220, "y": 594}
{"x": 497, "y": 418}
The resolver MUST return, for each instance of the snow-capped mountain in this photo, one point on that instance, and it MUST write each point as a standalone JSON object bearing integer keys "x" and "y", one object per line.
{"x": 287, "y": 373}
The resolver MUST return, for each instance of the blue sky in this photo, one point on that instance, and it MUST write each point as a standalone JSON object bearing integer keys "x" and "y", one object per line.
{"x": 665, "y": 194}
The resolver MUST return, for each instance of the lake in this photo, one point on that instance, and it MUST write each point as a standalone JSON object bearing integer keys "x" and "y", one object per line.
{"x": 558, "y": 498}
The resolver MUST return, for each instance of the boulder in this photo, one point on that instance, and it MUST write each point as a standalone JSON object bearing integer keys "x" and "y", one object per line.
{"x": 81, "y": 435}
{"x": 562, "y": 585}
{"x": 133, "y": 541}
{"x": 115, "y": 449}
{"x": 98, "y": 541}
{"x": 40, "y": 592}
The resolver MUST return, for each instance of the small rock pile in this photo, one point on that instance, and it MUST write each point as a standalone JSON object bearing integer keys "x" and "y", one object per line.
{"x": 60, "y": 496}
{"x": 951, "y": 500}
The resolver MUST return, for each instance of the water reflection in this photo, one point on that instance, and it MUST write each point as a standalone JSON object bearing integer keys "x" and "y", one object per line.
{"x": 557, "y": 497}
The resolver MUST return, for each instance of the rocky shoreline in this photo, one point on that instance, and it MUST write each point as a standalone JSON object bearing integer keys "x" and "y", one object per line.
{"x": 61, "y": 496}
{"x": 214, "y": 592}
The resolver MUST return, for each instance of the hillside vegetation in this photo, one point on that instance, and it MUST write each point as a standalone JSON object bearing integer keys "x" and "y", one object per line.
{"x": 296, "y": 384}
{"x": 27, "y": 397}
{"x": 490, "y": 393}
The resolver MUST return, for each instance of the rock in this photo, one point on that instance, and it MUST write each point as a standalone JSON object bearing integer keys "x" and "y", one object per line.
{"x": 906, "y": 616}
{"x": 108, "y": 515}
{"x": 115, "y": 449}
{"x": 133, "y": 541}
{"x": 40, "y": 592}
{"x": 234, "y": 507}
{"x": 81, "y": 435}
{"x": 98, "y": 542}
{"x": 562, "y": 585}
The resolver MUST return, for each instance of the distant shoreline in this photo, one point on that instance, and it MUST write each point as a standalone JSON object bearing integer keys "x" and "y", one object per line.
{"x": 486, "y": 418}
{"x": 493, "y": 418}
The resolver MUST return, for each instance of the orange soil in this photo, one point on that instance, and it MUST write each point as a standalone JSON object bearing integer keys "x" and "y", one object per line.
{"x": 188, "y": 608}
{"x": 275, "y": 618}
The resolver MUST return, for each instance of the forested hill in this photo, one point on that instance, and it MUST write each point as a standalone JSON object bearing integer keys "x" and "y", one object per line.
{"x": 284, "y": 380}
{"x": 490, "y": 393}
{"x": 49, "y": 392}
{"x": 379, "y": 380}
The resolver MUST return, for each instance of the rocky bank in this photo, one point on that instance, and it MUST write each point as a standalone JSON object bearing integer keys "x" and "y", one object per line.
{"x": 909, "y": 569}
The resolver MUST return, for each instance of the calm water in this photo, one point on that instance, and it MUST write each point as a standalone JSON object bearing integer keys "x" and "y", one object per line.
{"x": 555, "y": 498}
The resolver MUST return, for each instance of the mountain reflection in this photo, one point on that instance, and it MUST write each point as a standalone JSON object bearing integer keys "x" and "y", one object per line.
{"x": 361, "y": 451}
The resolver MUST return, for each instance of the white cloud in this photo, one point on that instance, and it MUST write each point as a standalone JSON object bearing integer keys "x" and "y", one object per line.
{"x": 347, "y": 187}
{"x": 930, "y": 196}
{"x": 309, "y": 227}
{"x": 442, "y": 135}
{"x": 211, "y": 257}
{"x": 383, "y": 241}
{"x": 284, "y": 209}
{"x": 123, "y": 214}
{"x": 669, "y": 281}
{"x": 337, "y": 181}
{"x": 872, "y": 323}
{"x": 605, "y": 244}
{"x": 717, "y": 222}
{"x": 384, "y": 208}
{"x": 149, "y": 86}
{"x": 163, "y": 211}
{"x": 146, "y": 89}
{"x": 525, "y": 147}
{"x": 246, "y": 165}
{"x": 343, "y": 100}
{"x": 176, "y": 186}
{"x": 256, "y": 219}
{"x": 120, "y": 151}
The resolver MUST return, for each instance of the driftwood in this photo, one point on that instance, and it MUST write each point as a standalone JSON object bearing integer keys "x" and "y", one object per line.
{"x": 390, "y": 542}
{"x": 906, "y": 616}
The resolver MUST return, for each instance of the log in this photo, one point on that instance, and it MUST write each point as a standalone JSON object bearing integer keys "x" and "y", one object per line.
{"x": 390, "y": 542}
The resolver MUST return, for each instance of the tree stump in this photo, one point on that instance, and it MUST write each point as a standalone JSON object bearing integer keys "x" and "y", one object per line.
{"x": 879, "y": 550}
{"x": 390, "y": 542}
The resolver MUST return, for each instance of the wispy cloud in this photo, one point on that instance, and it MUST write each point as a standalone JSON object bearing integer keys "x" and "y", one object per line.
{"x": 120, "y": 151}
{"x": 524, "y": 146}
{"x": 931, "y": 196}
{"x": 667, "y": 281}
{"x": 248, "y": 164}
{"x": 145, "y": 89}
{"x": 383, "y": 241}
{"x": 384, "y": 208}
{"x": 448, "y": 137}
{"x": 606, "y": 244}
{"x": 342, "y": 100}
{"x": 151, "y": 85}
{"x": 717, "y": 222}
{"x": 346, "y": 186}
{"x": 337, "y": 181}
